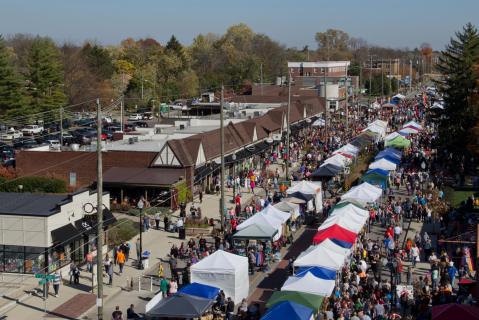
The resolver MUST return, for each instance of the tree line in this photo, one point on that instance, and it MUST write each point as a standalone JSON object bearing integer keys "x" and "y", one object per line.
{"x": 37, "y": 74}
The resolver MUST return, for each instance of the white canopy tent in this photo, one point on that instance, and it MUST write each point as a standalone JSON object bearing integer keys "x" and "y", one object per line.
{"x": 381, "y": 131}
{"x": 260, "y": 219}
{"x": 226, "y": 271}
{"x": 350, "y": 221}
{"x": 350, "y": 209}
{"x": 319, "y": 123}
{"x": 272, "y": 211}
{"x": 399, "y": 96}
{"x": 308, "y": 188}
{"x": 391, "y": 136}
{"x": 414, "y": 124}
{"x": 383, "y": 164}
{"x": 309, "y": 284}
{"x": 409, "y": 130}
{"x": 290, "y": 207}
{"x": 338, "y": 160}
{"x": 380, "y": 123}
{"x": 437, "y": 105}
{"x": 320, "y": 256}
{"x": 348, "y": 149}
{"x": 363, "y": 193}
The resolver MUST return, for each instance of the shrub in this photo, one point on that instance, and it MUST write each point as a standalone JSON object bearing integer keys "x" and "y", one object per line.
{"x": 34, "y": 184}
{"x": 122, "y": 230}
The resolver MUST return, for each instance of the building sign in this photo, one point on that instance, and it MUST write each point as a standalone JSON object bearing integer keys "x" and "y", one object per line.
{"x": 73, "y": 179}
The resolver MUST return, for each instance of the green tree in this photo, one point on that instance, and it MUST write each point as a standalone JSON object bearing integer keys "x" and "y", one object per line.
{"x": 11, "y": 84}
{"x": 45, "y": 76}
{"x": 99, "y": 61}
{"x": 458, "y": 64}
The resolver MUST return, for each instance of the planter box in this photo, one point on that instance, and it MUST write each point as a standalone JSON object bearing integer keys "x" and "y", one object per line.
{"x": 193, "y": 232}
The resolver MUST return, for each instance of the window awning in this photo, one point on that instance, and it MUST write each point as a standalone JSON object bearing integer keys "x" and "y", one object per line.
{"x": 155, "y": 177}
{"x": 65, "y": 234}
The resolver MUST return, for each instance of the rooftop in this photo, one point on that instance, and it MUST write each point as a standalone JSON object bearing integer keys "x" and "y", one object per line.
{"x": 319, "y": 64}
{"x": 31, "y": 204}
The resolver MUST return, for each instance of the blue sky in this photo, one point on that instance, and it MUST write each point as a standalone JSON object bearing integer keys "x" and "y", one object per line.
{"x": 400, "y": 23}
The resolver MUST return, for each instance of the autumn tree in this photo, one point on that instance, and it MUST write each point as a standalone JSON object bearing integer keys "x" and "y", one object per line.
{"x": 333, "y": 45}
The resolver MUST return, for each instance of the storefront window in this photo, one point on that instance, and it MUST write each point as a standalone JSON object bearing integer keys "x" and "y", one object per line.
{"x": 58, "y": 258}
{"x": 34, "y": 259}
{"x": 14, "y": 262}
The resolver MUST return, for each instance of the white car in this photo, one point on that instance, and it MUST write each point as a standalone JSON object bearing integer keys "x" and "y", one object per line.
{"x": 32, "y": 129}
{"x": 135, "y": 116}
{"x": 11, "y": 134}
{"x": 54, "y": 144}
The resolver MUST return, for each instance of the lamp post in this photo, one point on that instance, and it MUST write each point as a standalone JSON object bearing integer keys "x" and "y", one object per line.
{"x": 20, "y": 187}
{"x": 140, "y": 206}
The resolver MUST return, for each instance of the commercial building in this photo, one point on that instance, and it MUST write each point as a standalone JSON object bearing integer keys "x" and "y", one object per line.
{"x": 41, "y": 232}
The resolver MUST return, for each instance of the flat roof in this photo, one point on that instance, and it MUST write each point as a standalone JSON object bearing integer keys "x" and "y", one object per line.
{"x": 31, "y": 204}
{"x": 319, "y": 64}
{"x": 142, "y": 176}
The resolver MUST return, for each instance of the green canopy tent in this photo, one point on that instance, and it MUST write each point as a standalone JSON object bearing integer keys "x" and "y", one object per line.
{"x": 398, "y": 143}
{"x": 309, "y": 300}
{"x": 256, "y": 232}
{"x": 345, "y": 203}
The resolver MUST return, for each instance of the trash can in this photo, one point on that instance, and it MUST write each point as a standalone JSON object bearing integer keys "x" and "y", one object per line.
{"x": 182, "y": 233}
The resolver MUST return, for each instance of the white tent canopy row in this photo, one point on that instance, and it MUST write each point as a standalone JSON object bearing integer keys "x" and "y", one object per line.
{"x": 399, "y": 96}
{"x": 346, "y": 219}
{"x": 363, "y": 193}
{"x": 309, "y": 284}
{"x": 226, "y": 271}
{"x": 290, "y": 207}
{"x": 319, "y": 123}
{"x": 383, "y": 164}
{"x": 381, "y": 131}
{"x": 264, "y": 220}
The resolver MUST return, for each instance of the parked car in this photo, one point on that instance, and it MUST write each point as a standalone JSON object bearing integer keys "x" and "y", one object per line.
{"x": 25, "y": 144}
{"x": 11, "y": 134}
{"x": 140, "y": 124}
{"x": 135, "y": 116}
{"x": 113, "y": 128}
{"x": 54, "y": 144}
{"x": 84, "y": 122}
{"x": 147, "y": 115}
{"x": 129, "y": 127}
{"x": 32, "y": 129}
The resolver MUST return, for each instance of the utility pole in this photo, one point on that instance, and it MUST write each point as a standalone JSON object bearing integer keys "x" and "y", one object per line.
{"x": 99, "y": 212}
{"x": 222, "y": 142}
{"x": 370, "y": 76}
{"x": 410, "y": 75}
{"x": 287, "y": 128}
{"x": 261, "y": 72}
{"x": 390, "y": 79}
{"x": 326, "y": 107}
{"x": 122, "y": 106}
{"x": 61, "y": 127}
{"x": 382, "y": 81}
{"x": 347, "y": 98}
{"x": 141, "y": 88}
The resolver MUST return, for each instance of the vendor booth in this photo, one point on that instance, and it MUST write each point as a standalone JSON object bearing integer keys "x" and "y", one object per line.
{"x": 309, "y": 300}
{"x": 383, "y": 164}
{"x": 320, "y": 272}
{"x": 377, "y": 177}
{"x": 226, "y": 271}
{"x": 339, "y": 235}
{"x": 398, "y": 143}
{"x": 288, "y": 310}
{"x": 309, "y": 284}
{"x": 320, "y": 256}
{"x": 307, "y": 188}
{"x": 327, "y": 170}
{"x": 180, "y": 306}
{"x": 363, "y": 193}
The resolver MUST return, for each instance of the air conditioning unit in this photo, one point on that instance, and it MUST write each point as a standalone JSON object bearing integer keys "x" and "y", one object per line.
{"x": 182, "y": 127}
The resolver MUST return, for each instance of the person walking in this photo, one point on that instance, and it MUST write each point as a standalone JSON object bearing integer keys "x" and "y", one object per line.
{"x": 415, "y": 255}
{"x": 110, "y": 274}
{"x": 117, "y": 314}
{"x": 131, "y": 314}
{"x": 164, "y": 287}
{"x": 57, "y": 280}
{"x": 157, "y": 220}
{"x": 166, "y": 221}
{"x": 120, "y": 259}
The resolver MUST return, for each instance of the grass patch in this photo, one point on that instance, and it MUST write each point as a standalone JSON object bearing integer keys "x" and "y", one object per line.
{"x": 455, "y": 197}
{"x": 122, "y": 230}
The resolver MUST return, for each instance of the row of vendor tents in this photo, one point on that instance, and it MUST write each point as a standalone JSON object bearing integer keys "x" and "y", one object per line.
{"x": 229, "y": 272}
{"x": 316, "y": 269}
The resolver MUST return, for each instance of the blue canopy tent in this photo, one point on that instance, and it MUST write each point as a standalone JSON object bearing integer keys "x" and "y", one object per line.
{"x": 390, "y": 152}
{"x": 200, "y": 290}
{"x": 288, "y": 310}
{"x": 389, "y": 158}
{"x": 377, "y": 177}
{"x": 318, "y": 272}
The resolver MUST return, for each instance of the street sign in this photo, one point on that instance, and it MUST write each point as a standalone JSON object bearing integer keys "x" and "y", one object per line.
{"x": 50, "y": 277}
{"x": 42, "y": 282}
{"x": 39, "y": 276}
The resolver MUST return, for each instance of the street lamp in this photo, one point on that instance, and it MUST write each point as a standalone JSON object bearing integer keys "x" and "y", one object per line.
{"x": 140, "y": 206}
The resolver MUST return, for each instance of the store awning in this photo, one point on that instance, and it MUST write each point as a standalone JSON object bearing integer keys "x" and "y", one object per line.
{"x": 142, "y": 177}
{"x": 205, "y": 170}
{"x": 65, "y": 234}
